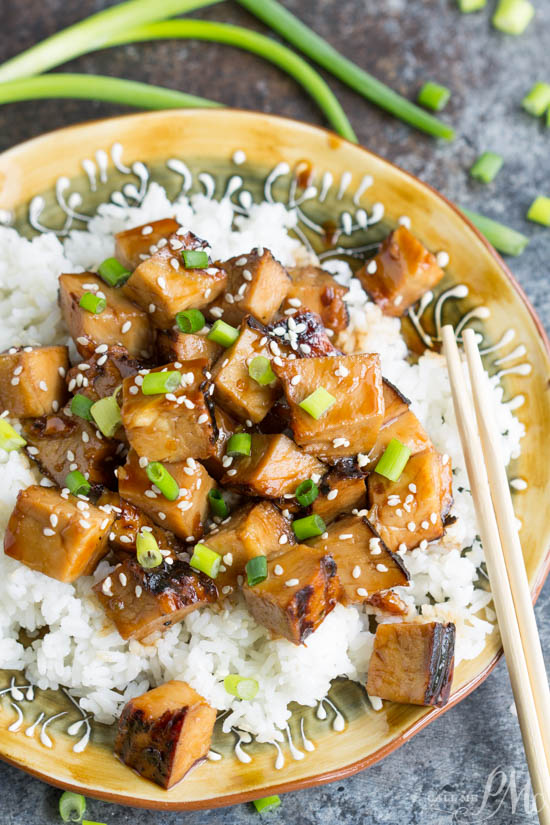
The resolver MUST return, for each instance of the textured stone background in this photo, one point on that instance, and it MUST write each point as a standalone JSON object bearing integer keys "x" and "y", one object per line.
{"x": 439, "y": 777}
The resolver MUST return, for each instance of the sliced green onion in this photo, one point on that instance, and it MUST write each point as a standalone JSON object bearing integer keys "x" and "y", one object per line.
{"x": 155, "y": 383}
{"x": 306, "y": 492}
{"x": 513, "y": 16}
{"x": 81, "y": 406}
{"x": 256, "y": 570}
{"x": 106, "y": 414}
{"x": 147, "y": 551}
{"x": 267, "y": 803}
{"x": 112, "y": 272}
{"x": 318, "y": 402}
{"x": 9, "y": 438}
{"x": 467, "y": 6}
{"x": 538, "y": 99}
{"x": 503, "y": 238}
{"x": 206, "y": 560}
{"x": 218, "y": 504}
{"x": 303, "y": 38}
{"x": 539, "y": 211}
{"x": 239, "y": 444}
{"x": 161, "y": 478}
{"x": 223, "y": 334}
{"x": 89, "y": 822}
{"x": 308, "y": 527}
{"x": 195, "y": 258}
{"x": 434, "y": 96}
{"x": 190, "y": 320}
{"x": 92, "y": 303}
{"x": 260, "y": 370}
{"x": 77, "y": 483}
{"x": 72, "y": 806}
{"x": 242, "y": 687}
{"x": 393, "y": 460}
{"x": 486, "y": 167}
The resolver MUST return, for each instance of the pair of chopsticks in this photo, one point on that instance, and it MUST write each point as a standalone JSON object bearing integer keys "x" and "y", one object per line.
{"x": 504, "y": 559}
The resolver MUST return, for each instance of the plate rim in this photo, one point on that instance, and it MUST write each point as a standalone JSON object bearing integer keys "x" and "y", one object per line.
{"x": 359, "y": 765}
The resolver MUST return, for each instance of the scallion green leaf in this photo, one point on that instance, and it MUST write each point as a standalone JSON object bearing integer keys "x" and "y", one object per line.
{"x": 195, "y": 258}
{"x": 306, "y": 492}
{"x": 239, "y": 444}
{"x": 393, "y": 460}
{"x": 190, "y": 320}
{"x": 318, "y": 402}
{"x": 72, "y": 806}
{"x": 467, "y": 6}
{"x": 106, "y": 414}
{"x": 218, "y": 505}
{"x": 77, "y": 483}
{"x": 503, "y": 238}
{"x": 539, "y": 211}
{"x": 147, "y": 550}
{"x": 486, "y": 167}
{"x": 513, "y": 16}
{"x": 206, "y": 560}
{"x": 260, "y": 370}
{"x": 308, "y": 527}
{"x": 256, "y": 570}
{"x": 242, "y": 687}
{"x": 267, "y": 804}
{"x": 81, "y": 406}
{"x": 537, "y": 101}
{"x": 433, "y": 96}
{"x": 10, "y": 439}
{"x": 156, "y": 383}
{"x": 161, "y": 478}
{"x": 223, "y": 334}
{"x": 112, "y": 272}
{"x": 92, "y": 303}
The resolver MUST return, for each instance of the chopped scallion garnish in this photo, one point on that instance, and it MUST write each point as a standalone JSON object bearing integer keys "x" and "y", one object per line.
{"x": 77, "y": 483}
{"x": 81, "y": 406}
{"x": 156, "y": 383}
{"x": 513, "y": 16}
{"x": 256, "y": 570}
{"x": 260, "y": 370}
{"x": 194, "y": 258}
{"x": 539, "y": 211}
{"x": 242, "y": 687}
{"x": 308, "y": 527}
{"x": 112, "y": 272}
{"x": 434, "y": 96}
{"x": 190, "y": 320}
{"x": 467, "y": 6}
{"x": 239, "y": 444}
{"x": 393, "y": 460}
{"x": 306, "y": 492}
{"x": 9, "y": 438}
{"x": 106, "y": 414}
{"x": 72, "y": 806}
{"x": 538, "y": 99}
{"x": 147, "y": 550}
{"x": 223, "y": 334}
{"x": 267, "y": 803}
{"x": 161, "y": 478}
{"x": 217, "y": 503}
{"x": 206, "y": 560}
{"x": 503, "y": 238}
{"x": 486, "y": 167}
{"x": 318, "y": 402}
{"x": 92, "y": 303}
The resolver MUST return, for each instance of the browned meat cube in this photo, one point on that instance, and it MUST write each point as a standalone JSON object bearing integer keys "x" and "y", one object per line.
{"x": 314, "y": 289}
{"x": 164, "y": 732}
{"x": 274, "y": 468}
{"x": 32, "y": 380}
{"x": 339, "y": 493}
{"x": 101, "y": 374}
{"x": 134, "y": 245}
{"x": 174, "y": 345}
{"x": 162, "y": 285}
{"x": 140, "y": 602}
{"x": 129, "y": 520}
{"x": 395, "y": 403}
{"x": 365, "y": 565}
{"x": 352, "y": 424}
{"x": 256, "y": 285}
{"x": 170, "y": 426}
{"x": 57, "y": 534}
{"x": 412, "y": 663}
{"x": 61, "y": 443}
{"x": 254, "y": 530}
{"x": 236, "y": 391}
{"x": 387, "y": 603}
{"x": 300, "y": 591}
{"x": 224, "y": 427}
{"x": 407, "y": 429}
{"x": 404, "y": 271}
{"x": 121, "y": 323}
{"x": 186, "y": 515}
{"x": 304, "y": 333}
{"x": 411, "y": 511}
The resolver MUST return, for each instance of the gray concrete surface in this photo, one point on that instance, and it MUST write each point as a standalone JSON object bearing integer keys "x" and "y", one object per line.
{"x": 440, "y": 777}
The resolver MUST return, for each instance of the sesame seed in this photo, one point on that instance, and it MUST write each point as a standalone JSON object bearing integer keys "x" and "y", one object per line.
{"x": 48, "y": 532}
{"x": 143, "y": 461}
{"x": 106, "y": 586}
{"x": 150, "y": 494}
{"x": 402, "y": 547}
{"x": 104, "y": 523}
{"x": 84, "y": 524}
{"x": 425, "y": 525}
{"x": 345, "y": 536}
{"x": 295, "y": 302}
{"x": 295, "y": 380}
{"x": 332, "y": 495}
{"x": 14, "y": 381}
{"x": 82, "y": 340}
{"x": 202, "y": 419}
{"x": 305, "y": 348}
{"x": 362, "y": 592}
{"x": 122, "y": 579}
{"x": 228, "y": 559}
{"x": 372, "y": 266}
{"x": 292, "y": 582}
{"x": 362, "y": 460}
{"x": 174, "y": 263}
{"x": 423, "y": 544}
{"x": 232, "y": 472}
{"x": 72, "y": 384}
{"x": 381, "y": 568}
{"x": 412, "y": 488}
{"x": 18, "y": 370}
{"x": 247, "y": 274}
{"x": 278, "y": 570}
{"x": 444, "y": 458}
{"x": 126, "y": 539}
{"x": 241, "y": 261}
{"x": 33, "y": 450}
{"x": 138, "y": 591}
{"x": 133, "y": 390}
{"x": 151, "y": 308}
{"x": 161, "y": 516}
{"x": 62, "y": 371}
{"x": 283, "y": 539}
{"x": 229, "y": 298}
{"x": 226, "y": 589}
{"x": 189, "y": 404}
{"x": 442, "y": 258}
{"x": 169, "y": 561}
{"x": 126, "y": 327}
{"x": 411, "y": 526}
{"x": 161, "y": 282}
{"x": 433, "y": 518}
{"x": 356, "y": 572}
{"x": 227, "y": 461}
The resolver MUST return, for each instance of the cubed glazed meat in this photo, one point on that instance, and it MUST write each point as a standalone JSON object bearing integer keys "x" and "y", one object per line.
{"x": 174, "y": 345}
{"x": 32, "y": 380}
{"x": 412, "y": 663}
{"x": 403, "y": 271}
{"x": 339, "y": 493}
{"x": 315, "y": 289}
{"x": 121, "y": 323}
{"x": 411, "y": 511}
{"x": 134, "y": 245}
{"x": 140, "y": 602}
{"x": 101, "y": 374}
{"x": 163, "y": 286}
{"x": 387, "y": 603}
{"x": 253, "y": 530}
{"x": 236, "y": 391}
{"x": 395, "y": 403}
{"x": 164, "y": 732}
{"x": 224, "y": 427}
{"x": 364, "y": 563}
{"x": 60, "y": 443}
{"x": 300, "y": 590}
{"x": 128, "y": 521}
{"x": 407, "y": 429}
{"x": 352, "y": 423}
{"x": 57, "y": 534}
{"x": 186, "y": 515}
{"x": 274, "y": 468}
{"x": 256, "y": 285}
{"x": 170, "y": 426}
{"x": 304, "y": 333}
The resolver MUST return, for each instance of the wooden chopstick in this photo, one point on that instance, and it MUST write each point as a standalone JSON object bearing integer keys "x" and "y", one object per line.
{"x": 498, "y": 577}
{"x": 509, "y": 536}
